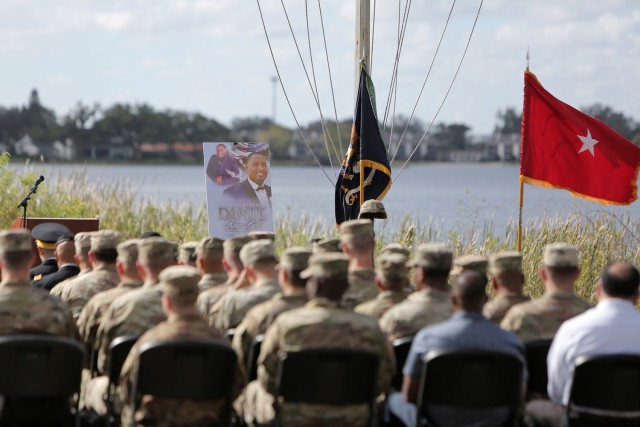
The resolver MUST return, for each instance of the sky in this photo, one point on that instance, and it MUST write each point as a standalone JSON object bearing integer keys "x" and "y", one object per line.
{"x": 211, "y": 56}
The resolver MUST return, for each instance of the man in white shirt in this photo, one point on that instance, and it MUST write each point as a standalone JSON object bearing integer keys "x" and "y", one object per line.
{"x": 609, "y": 328}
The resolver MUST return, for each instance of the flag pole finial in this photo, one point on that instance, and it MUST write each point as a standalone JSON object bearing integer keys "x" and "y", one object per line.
{"x": 528, "y": 57}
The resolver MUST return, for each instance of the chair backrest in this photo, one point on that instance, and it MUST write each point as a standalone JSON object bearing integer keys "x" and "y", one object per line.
{"x": 186, "y": 368}
{"x": 609, "y": 383}
{"x": 252, "y": 360}
{"x": 118, "y": 352}
{"x": 401, "y": 347}
{"x": 470, "y": 379}
{"x": 536, "y": 353}
{"x": 328, "y": 376}
{"x": 39, "y": 366}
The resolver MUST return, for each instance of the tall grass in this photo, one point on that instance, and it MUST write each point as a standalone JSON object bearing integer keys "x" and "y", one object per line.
{"x": 600, "y": 237}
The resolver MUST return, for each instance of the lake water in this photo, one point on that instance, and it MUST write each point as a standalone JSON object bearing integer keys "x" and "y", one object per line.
{"x": 450, "y": 195}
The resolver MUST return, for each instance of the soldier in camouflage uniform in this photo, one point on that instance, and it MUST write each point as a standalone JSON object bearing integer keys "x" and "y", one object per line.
{"x": 395, "y": 248}
{"x": 103, "y": 254}
{"x": 540, "y": 319}
{"x": 431, "y": 303}
{"x": 93, "y": 312}
{"x": 179, "y": 286}
{"x": 507, "y": 280}
{"x": 187, "y": 254}
{"x": 233, "y": 266}
{"x": 259, "y": 260}
{"x": 209, "y": 253}
{"x": 139, "y": 309}
{"x": 321, "y": 323}
{"x": 327, "y": 245}
{"x": 391, "y": 279}
{"x": 358, "y": 244}
{"x": 82, "y": 242}
{"x": 259, "y": 235}
{"x": 468, "y": 262}
{"x": 25, "y": 309}
{"x": 294, "y": 295}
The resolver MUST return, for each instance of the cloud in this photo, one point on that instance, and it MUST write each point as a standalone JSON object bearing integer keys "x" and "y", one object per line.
{"x": 112, "y": 22}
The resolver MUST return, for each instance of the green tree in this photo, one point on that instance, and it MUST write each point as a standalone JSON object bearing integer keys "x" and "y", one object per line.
{"x": 616, "y": 120}
{"x": 509, "y": 122}
{"x": 452, "y": 136}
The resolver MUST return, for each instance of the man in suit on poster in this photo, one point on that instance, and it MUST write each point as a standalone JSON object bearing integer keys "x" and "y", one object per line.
{"x": 253, "y": 189}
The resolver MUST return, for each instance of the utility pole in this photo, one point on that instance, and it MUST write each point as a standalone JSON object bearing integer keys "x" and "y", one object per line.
{"x": 274, "y": 80}
{"x": 363, "y": 42}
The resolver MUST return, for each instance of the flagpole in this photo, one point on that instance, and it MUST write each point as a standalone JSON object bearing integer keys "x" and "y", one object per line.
{"x": 519, "y": 245}
{"x": 362, "y": 57}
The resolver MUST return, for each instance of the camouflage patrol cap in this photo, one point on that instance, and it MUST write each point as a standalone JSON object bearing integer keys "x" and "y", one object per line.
{"x": 233, "y": 245}
{"x": 156, "y": 248}
{"x": 257, "y": 250}
{"x": 356, "y": 229}
{"x": 188, "y": 252}
{"x": 15, "y": 241}
{"x": 105, "y": 239}
{"x": 392, "y": 266}
{"x": 469, "y": 262}
{"x": 82, "y": 241}
{"x": 327, "y": 265}
{"x": 372, "y": 209}
{"x": 505, "y": 262}
{"x": 259, "y": 235}
{"x": 435, "y": 256}
{"x": 179, "y": 280}
{"x": 560, "y": 255}
{"x": 128, "y": 251}
{"x": 395, "y": 248}
{"x": 327, "y": 245}
{"x": 295, "y": 258}
{"x": 210, "y": 245}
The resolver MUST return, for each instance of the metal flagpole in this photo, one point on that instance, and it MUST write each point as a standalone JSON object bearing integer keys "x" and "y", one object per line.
{"x": 362, "y": 57}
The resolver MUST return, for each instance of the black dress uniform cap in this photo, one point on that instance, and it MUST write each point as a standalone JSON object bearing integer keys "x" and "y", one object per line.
{"x": 66, "y": 237}
{"x": 46, "y": 234}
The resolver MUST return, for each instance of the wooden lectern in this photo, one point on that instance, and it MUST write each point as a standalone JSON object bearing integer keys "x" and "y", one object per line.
{"x": 76, "y": 225}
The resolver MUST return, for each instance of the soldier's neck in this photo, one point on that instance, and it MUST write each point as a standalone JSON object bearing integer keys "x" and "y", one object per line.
{"x": 360, "y": 262}
{"x": 15, "y": 276}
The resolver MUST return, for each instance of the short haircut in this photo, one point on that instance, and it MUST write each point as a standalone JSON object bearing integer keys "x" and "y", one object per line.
{"x": 560, "y": 273}
{"x": 108, "y": 255}
{"x": 433, "y": 273}
{"x": 294, "y": 277}
{"x": 332, "y": 288}
{"x": 254, "y": 153}
{"x": 183, "y": 301}
{"x": 16, "y": 260}
{"x": 619, "y": 285}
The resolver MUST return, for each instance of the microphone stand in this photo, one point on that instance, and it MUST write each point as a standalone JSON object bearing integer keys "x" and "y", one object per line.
{"x": 25, "y": 202}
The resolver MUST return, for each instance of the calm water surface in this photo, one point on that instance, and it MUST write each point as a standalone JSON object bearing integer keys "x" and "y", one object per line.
{"x": 451, "y": 195}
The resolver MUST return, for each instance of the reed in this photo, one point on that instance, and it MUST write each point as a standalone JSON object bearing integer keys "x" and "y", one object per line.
{"x": 600, "y": 237}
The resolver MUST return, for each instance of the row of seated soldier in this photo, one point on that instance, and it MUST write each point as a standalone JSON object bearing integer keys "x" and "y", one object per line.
{"x": 151, "y": 333}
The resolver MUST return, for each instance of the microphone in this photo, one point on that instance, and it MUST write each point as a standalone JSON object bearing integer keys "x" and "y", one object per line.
{"x": 34, "y": 187}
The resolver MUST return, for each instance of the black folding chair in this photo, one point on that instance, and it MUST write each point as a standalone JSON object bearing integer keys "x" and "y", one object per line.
{"x": 186, "y": 369}
{"x": 118, "y": 352}
{"x": 38, "y": 376}
{"x": 328, "y": 377}
{"x": 536, "y": 353}
{"x": 472, "y": 380}
{"x": 252, "y": 360}
{"x": 401, "y": 347}
{"x": 605, "y": 391}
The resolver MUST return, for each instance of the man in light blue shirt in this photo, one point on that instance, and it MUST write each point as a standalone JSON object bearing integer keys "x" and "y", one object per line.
{"x": 609, "y": 328}
{"x": 466, "y": 329}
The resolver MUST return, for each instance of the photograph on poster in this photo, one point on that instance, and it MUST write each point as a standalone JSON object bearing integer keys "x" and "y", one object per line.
{"x": 238, "y": 188}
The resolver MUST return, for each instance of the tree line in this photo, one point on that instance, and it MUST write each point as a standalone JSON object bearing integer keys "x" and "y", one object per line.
{"x": 133, "y": 124}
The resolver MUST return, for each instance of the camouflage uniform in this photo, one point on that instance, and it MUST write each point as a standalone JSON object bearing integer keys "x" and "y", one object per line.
{"x": 187, "y": 254}
{"x": 468, "y": 262}
{"x": 362, "y": 286}
{"x": 166, "y": 411}
{"x": 383, "y": 302}
{"x": 100, "y": 279}
{"x": 541, "y": 318}
{"x": 327, "y": 245}
{"x": 319, "y": 324}
{"x": 389, "y": 267}
{"x": 510, "y": 263}
{"x": 212, "y": 280}
{"x": 229, "y": 311}
{"x": 78, "y": 293}
{"x": 25, "y": 309}
{"x": 395, "y": 248}
{"x": 420, "y": 309}
{"x": 82, "y": 243}
{"x": 259, "y": 318}
{"x": 497, "y": 308}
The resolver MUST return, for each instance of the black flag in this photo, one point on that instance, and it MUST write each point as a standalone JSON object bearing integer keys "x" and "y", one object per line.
{"x": 365, "y": 173}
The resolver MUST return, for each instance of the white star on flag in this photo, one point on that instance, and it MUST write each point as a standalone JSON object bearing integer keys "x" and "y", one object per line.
{"x": 588, "y": 143}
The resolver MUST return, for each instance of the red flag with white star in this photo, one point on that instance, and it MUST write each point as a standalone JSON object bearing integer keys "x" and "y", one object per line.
{"x": 565, "y": 148}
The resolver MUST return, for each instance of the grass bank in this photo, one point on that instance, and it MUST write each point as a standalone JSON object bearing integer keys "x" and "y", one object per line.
{"x": 600, "y": 238}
